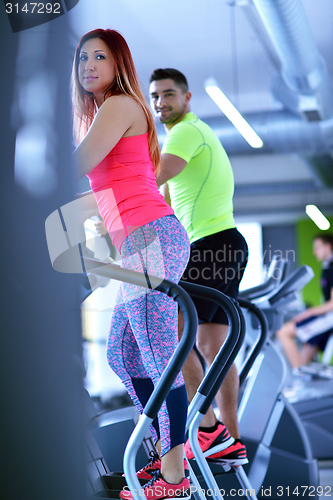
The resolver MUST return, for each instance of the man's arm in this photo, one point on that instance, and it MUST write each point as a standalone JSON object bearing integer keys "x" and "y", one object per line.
{"x": 172, "y": 165}
{"x": 316, "y": 310}
{"x": 164, "y": 190}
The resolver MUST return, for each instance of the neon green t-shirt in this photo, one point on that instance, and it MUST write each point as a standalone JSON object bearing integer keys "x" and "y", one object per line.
{"x": 201, "y": 195}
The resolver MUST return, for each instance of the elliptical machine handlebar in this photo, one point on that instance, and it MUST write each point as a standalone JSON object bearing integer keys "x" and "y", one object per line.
{"x": 174, "y": 365}
{"x": 276, "y": 273}
{"x": 258, "y": 345}
{"x": 227, "y": 353}
{"x": 217, "y": 371}
{"x": 178, "y": 294}
{"x": 285, "y": 291}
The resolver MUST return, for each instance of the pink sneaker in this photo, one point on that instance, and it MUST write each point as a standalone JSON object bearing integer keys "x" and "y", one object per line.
{"x": 234, "y": 455}
{"x": 154, "y": 465}
{"x": 158, "y": 489}
{"x": 211, "y": 442}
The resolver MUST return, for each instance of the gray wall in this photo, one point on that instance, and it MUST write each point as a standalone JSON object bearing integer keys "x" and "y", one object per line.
{"x": 42, "y": 420}
{"x": 281, "y": 241}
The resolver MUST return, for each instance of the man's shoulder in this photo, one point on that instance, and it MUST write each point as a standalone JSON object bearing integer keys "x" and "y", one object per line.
{"x": 330, "y": 268}
{"x": 329, "y": 265}
{"x": 187, "y": 122}
{"x": 185, "y": 129}
{"x": 191, "y": 124}
{"x": 327, "y": 273}
{"x": 193, "y": 120}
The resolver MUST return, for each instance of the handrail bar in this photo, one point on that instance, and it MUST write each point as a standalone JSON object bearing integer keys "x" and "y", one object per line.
{"x": 219, "y": 366}
{"x": 260, "y": 341}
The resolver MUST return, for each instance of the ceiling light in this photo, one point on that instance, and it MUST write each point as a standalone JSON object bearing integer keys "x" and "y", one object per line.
{"x": 318, "y": 218}
{"x": 232, "y": 114}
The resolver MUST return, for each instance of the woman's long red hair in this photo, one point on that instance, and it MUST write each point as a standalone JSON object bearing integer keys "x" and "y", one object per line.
{"x": 125, "y": 82}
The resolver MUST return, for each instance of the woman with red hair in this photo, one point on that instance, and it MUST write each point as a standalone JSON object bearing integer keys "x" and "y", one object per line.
{"x": 118, "y": 151}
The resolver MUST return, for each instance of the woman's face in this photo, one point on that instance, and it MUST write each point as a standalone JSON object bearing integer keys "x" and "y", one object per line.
{"x": 96, "y": 69}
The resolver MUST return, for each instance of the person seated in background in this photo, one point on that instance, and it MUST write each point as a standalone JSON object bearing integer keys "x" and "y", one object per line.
{"x": 313, "y": 326}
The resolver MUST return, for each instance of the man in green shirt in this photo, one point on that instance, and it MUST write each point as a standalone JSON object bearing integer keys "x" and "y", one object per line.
{"x": 200, "y": 181}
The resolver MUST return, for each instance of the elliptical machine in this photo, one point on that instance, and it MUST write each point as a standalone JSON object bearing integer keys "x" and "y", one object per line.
{"x": 261, "y": 467}
{"x": 104, "y": 483}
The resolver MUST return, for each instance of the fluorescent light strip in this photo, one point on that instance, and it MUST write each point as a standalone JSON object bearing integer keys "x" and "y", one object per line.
{"x": 232, "y": 114}
{"x": 318, "y": 218}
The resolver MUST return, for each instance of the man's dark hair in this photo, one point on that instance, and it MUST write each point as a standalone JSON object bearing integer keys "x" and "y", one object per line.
{"x": 174, "y": 74}
{"x": 325, "y": 238}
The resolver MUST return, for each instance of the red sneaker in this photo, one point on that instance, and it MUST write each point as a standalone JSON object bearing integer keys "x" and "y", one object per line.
{"x": 154, "y": 465}
{"x": 158, "y": 489}
{"x": 234, "y": 455}
{"x": 211, "y": 442}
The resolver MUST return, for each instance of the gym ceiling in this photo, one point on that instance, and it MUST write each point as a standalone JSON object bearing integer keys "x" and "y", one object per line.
{"x": 272, "y": 58}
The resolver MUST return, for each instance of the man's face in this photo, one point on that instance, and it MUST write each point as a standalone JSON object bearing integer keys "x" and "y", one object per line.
{"x": 168, "y": 101}
{"x": 321, "y": 250}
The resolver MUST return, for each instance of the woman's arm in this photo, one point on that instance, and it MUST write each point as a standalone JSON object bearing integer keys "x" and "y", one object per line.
{"x": 113, "y": 119}
{"x": 86, "y": 206}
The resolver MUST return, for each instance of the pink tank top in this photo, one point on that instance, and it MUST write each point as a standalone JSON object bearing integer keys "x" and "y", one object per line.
{"x": 125, "y": 189}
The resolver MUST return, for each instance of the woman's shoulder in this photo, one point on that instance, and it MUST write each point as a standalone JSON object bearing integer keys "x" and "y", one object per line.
{"x": 127, "y": 110}
{"x": 121, "y": 102}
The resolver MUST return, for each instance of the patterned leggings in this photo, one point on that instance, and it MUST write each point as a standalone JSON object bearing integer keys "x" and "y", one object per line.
{"x": 144, "y": 326}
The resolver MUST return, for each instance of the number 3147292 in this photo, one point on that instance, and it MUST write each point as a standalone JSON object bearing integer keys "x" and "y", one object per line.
{"x": 34, "y": 8}
{"x": 304, "y": 491}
